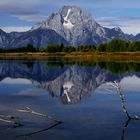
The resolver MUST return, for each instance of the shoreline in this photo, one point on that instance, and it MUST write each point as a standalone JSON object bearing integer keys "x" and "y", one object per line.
{"x": 130, "y": 56}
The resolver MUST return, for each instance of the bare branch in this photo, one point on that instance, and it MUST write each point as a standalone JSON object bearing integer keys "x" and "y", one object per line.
{"x": 117, "y": 86}
{"x": 124, "y": 128}
{"x": 28, "y": 110}
{"x": 39, "y": 131}
{"x": 11, "y": 120}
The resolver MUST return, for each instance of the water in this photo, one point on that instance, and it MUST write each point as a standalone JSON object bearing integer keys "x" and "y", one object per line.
{"x": 76, "y": 93}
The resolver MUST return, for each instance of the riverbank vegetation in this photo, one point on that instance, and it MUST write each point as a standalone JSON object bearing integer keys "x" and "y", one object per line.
{"x": 113, "y": 50}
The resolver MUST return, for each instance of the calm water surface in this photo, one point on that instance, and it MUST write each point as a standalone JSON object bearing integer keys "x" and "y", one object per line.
{"x": 76, "y": 93}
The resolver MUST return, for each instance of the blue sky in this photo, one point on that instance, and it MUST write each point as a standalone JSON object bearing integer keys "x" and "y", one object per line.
{"x": 20, "y": 15}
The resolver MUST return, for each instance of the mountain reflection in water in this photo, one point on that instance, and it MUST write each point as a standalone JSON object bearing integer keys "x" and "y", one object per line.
{"x": 53, "y": 76}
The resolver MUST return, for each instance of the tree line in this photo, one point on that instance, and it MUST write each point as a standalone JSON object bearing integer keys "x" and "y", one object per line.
{"x": 119, "y": 46}
{"x": 116, "y": 45}
{"x": 113, "y": 67}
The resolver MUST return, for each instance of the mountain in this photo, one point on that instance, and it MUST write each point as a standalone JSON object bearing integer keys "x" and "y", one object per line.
{"x": 78, "y": 28}
{"x": 38, "y": 38}
{"x": 70, "y": 26}
{"x": 137, "y": 37}
{"x": 4, "y": 39}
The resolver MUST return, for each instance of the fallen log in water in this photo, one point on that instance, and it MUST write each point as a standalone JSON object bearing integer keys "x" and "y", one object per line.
{"x": 11, "y": 120}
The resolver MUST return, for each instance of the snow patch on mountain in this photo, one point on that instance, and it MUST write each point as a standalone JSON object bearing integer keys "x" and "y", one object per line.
{"x": 70, "y": 26}
{"x": 67, "y": 24}
{"x": 67, "y": 86}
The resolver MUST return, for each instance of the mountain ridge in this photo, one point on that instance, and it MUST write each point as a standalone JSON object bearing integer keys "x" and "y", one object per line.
{"x": 70, "y": 26}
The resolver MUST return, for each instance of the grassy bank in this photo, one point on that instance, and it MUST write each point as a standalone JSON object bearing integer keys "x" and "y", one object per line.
{"x": 130, "y": 56}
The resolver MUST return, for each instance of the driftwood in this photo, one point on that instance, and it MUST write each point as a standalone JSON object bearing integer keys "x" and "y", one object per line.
{"x": 117, "y": 86}
{"x": 13, "y": 121}
{"x": 10, "y": 120}
{"x": 28, "y": 110}
{"x": 39, "y": 131}
{"x": 124, "y": 129}
{"x": 130, "y": 117}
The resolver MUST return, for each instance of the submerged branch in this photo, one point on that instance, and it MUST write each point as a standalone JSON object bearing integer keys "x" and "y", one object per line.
{"x": 117, "y": 86}
{"x": 14, "y": 121}
{"x": 130, "y": 117}
{"x": 11, "y": 120}
{"x": 39, "y": 131}
{"x": 124, "y": 129}
{"x": 28, "y": 110}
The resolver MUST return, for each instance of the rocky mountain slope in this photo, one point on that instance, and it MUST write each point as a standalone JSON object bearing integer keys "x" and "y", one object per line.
{"x": 78, "y": 27}
{"x": 70, "y": 26}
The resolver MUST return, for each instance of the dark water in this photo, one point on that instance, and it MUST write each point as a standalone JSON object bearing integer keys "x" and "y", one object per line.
{"x": 76, "y": 93}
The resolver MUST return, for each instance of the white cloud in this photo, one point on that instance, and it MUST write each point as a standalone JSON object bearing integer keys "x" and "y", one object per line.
{"x": 131, "y": 83}
{"x": 131, "y": 80}
{"x": 31, "y": 92}
{"x": 9, "y": 29}
{"x": 129, "y": 25}
{"x": 31, "y": 18}
{"x": 14, "y": 7}
{"x": 34, "y": 11}
{"x": 25, "y": 7}
{"x": 9, "y": 80}
{"x": 27, "y": 10}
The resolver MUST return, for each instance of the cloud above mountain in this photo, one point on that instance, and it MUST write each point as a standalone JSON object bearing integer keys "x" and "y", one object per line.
{"x": 18, "y": 7}
{"x": 31, "y": 11}
{"x": 127, "y": 24}
{"x": 33, "y": 7}
{"x": 9, "y": 29}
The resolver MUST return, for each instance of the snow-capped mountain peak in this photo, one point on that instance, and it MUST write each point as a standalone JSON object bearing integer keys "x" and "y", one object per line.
{"x": 78, "y": 27}
{"x": 70, "y": 26}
